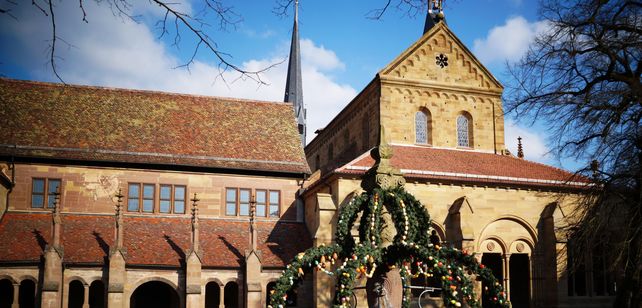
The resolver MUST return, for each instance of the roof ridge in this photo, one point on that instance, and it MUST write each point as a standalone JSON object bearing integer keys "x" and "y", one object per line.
{"x": 143, "y": 91}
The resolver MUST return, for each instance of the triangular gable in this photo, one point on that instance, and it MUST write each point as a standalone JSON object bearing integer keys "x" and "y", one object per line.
{"x": 419, "y": 63}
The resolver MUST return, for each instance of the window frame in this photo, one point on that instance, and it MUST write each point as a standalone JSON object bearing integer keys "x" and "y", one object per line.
{"x": 172, "y": 198}
{"x": 253, "y": 193}
{"x": 469, "y": 130}
{"x": 46, "y": 195}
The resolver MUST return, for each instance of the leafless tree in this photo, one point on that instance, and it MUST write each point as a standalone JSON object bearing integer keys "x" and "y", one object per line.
{"x": 582, "y": 78}
{"x": 174, "y": 21}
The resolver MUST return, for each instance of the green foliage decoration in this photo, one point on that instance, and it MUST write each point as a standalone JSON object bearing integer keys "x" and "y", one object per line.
{"x": 410, "y": 252}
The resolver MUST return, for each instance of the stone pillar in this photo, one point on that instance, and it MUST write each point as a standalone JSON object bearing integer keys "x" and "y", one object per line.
{"x": 506, "y": 260}
{"x": 221, "y": 304}
{"x": 86, "y": 299}
{"x": 193, "y": 297}
{"x": 117, "y": 271}
{"x": 16, "y": 294}
{"x": 52, "y": 282}
{"x": 253, "y": 294}
{"x": 323, "y": 285}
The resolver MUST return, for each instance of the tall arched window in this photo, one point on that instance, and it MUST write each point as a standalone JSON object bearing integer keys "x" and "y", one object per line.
{"x": 464, "y": 131}
{"x": 422, "y": 127}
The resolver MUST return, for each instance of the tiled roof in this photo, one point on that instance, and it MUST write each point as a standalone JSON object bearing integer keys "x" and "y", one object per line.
{"x": 85, "y": 123}
{"x": 149, "y": 240}
{"x": 467, "y": 166}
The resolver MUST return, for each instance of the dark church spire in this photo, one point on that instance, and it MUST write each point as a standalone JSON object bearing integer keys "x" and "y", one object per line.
{"x": 435, "y": 14}
{"x": 294, "y": 84}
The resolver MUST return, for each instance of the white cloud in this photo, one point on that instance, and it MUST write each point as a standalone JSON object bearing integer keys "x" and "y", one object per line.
{"x": 508, "y": 42}
{"x": 533, "y": 143}
{"x": 108, "y": 52}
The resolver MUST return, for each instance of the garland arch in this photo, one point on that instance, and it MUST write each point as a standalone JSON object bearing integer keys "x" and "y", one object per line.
{"x": 410, "y": 252}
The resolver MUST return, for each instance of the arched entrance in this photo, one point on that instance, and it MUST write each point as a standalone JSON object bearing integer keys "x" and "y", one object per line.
{"x": 76, "y": 294}
{"x": 231, "y": 295}
{"x": 519, "y": 280}
{"x": 97, "y": 294}
{"x": 27, "y": 294}
{"x": 6, "y": 293}
{"x": 154, "y": 294}
{"x": 212, "y": 295}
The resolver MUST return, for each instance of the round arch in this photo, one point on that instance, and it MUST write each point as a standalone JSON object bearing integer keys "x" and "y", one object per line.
{"x": 70, "y": 279}
{"x": 155, "y": 293}
{"x": 531, "y": 239}
{"x": 155, "y": 278}
{"x": 27, "y": 277}
{"x": 8, "y": 277}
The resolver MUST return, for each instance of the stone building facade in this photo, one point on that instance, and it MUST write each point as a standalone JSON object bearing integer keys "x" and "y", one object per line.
{"x": 121, "y": 198}
{"x": 124, "y": 198}
{"x": 442, "y": 114}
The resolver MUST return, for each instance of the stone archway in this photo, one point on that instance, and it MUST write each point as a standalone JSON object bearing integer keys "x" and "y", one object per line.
{"x": 154, "y": 294}
{"x": 507, "y": 245}
{"x": 6, "y": 293}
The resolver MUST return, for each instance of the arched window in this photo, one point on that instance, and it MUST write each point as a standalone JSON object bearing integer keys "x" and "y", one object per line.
{"x": 231, "y": 295}
{"x": 212, "y": 295}
{"x": 97, "y": 294}
{"x": 76, "y": 294}
{"x": 423, "y": 127}
{"x": 464, "y": 131}
{"x": 269, "y": 288}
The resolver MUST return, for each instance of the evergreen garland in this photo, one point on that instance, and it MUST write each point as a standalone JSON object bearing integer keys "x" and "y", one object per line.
{"x": 411, "y": 252}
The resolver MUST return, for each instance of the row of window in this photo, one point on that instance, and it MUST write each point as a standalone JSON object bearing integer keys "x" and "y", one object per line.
{"x": 237, "y": 202}
{"x": 166, "y": 198}
{"x": 423, "y": 129}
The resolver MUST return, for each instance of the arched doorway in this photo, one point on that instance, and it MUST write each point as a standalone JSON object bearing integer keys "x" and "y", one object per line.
{"x": 268, "y": 291}
{"x": 27, "y": 294}
{"x": 212, "y": 295}
{"x": 154, "y": 294}
{"x": 97, "y": 294}
{"x": 231, "y": 295}
{"x": 494, "y": 262}
{"x": 6, "y": 293}
{"x": 519, "y": 280}
{"x": 76, "y": 294}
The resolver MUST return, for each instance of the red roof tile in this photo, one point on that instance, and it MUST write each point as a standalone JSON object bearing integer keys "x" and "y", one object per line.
{"x": 469, "y": 166}
{"x": 149, "y": 240}
{"x": 49, "y": 120}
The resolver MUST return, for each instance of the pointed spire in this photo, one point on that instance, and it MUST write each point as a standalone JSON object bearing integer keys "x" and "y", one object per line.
{"x": 253, "y": 233}
{"x": 119, "y": 221}
{"x": 435, "y": 14}
{"x": 294, "y": 83}
{"x": 520, "y": 149}
{"x": 195, "y": 224}
{"x": 57, "y": 220}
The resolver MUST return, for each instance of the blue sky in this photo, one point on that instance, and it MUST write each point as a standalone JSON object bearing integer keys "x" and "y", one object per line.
{"x": 342, "y": 49}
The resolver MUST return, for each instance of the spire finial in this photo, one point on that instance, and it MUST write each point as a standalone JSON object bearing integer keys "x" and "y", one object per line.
{"x": 57, "y": 220}
{"x": 435, "y": 14}
{"x": 195, "y": 224}
{"x": 253, "y": 235}
{"x": 119, "y": 220}
{"x": 520, "y": 149}
{"x": 296, "y": 11}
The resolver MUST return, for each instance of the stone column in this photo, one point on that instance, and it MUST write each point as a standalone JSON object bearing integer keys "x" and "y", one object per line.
{"x": 52, "y": 282}
{"x": 253, "y": 294}
{"x": 117, "y": 270}
{"x": 86, "y": 299}
{"x": 16, "y": 295}
{"x": 193, "y": 297}
{"x": 221, "y": 304}
{"x": 507, "y": 274}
